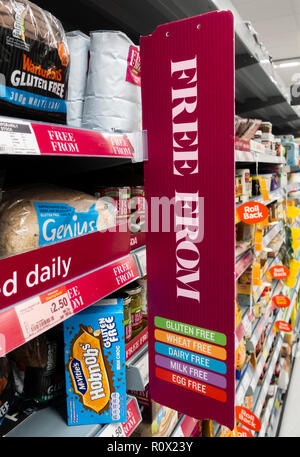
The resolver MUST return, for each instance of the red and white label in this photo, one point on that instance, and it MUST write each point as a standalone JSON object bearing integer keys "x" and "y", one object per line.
{"x": 279, "y": 272}
{"x": 247, "y": 418}
{"x": 133, "y": 418}
{"x": 133, "y": 74}
{"x": 243, "y": 433}
{"x": 134, "y": 345}
{"x": 58, "y": 140}
{"x": 283, "y": 326}
{"x": 38, "y": 314}
{"x": 252, "y": 212}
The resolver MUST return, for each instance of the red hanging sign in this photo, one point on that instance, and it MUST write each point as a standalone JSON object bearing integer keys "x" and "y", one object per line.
{"x": 180, "y": 114}
{"x": 252, "y": 212}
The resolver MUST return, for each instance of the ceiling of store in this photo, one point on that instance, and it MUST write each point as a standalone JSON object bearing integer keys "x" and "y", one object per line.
{"x": 277, "y": 23}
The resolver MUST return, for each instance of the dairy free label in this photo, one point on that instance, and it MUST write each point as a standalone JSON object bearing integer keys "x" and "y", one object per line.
{"x": 191, "y": 357}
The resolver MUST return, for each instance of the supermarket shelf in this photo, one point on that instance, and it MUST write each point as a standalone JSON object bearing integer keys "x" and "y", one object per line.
{"x": 267, "y": 415}
{"x": 243, "y": 263}
{"x": 23, "y": 137}
{"x": 140, "y": 255}
{"x": 252, "y": 156}
{"x": 265, "y": 386}
{"x": 137, "y": 370}
{"x": 51, "y": 422}
{"x": 184, "y": 427}
{"x": 90, "y": 278}
{"x": 271, "y": 234}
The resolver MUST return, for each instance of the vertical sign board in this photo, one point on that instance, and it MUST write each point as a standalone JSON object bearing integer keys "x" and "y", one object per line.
{"x": 188, "y": 112}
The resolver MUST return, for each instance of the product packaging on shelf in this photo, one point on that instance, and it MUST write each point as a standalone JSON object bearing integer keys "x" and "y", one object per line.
{"x": 95, "y": 364}
{"x": 158, "y": 421}
{"x": 34, "y": 71}
{"x": 113, "y": 93}
{"x": 41, "y": 215}
{"x": 79, "y": 45}
{"x": 38, "y": 367}
{"x": 7, "y": 387}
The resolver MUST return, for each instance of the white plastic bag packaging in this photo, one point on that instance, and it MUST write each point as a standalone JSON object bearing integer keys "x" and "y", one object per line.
{"x": 79, "y": 45}
{"x": 113, "y": 93}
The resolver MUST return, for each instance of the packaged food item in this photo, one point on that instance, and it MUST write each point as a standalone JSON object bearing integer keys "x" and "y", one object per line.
{"x": 143, "y": 283}
{"x": 127, "y": 317}
{"x": 246, "y": 185}
{"x": 158, "y": 421}
{"x": 135, "y": 291}
{"x": 7, "y": 388}
{"x": 138, "y": 208}
{"x": 79, "y": 45}
{"x": 241, "y": 355}
{"x": 34, "y": 64}
{"x": 258, "y": 136}
{"x": 113, "y": 93}
{"x": 38, "y": 367}
{"x": 120, "y": 196}
{"x": 266, "y": 127}
{"x": 95, "y": 364}
{"x": 40, "y": 215}
{"x": 238, "y": 188}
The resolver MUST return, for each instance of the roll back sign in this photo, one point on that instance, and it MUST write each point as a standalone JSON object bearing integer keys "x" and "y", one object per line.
{"x": 188, "y": 112}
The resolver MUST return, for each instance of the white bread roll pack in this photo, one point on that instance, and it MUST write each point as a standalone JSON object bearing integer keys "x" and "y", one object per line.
{"x": 40, "y": 215}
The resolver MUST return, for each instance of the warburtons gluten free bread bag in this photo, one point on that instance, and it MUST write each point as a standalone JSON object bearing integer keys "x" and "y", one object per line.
{"x": 34, "y": 62}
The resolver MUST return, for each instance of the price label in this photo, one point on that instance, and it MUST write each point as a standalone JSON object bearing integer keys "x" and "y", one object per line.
{"x": 17, "y": 137}
{"x": 43, "y": 312}
{"x": 112, "y": 431}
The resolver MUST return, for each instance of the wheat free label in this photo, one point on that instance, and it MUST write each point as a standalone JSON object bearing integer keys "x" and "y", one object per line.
{"x": 252, "y": 212}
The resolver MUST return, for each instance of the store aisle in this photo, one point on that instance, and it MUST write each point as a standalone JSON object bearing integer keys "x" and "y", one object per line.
{"x": 290, "y": 425}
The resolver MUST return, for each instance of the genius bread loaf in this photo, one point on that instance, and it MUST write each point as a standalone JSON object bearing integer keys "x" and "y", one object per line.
{"x": 42, "y": 215}
{"x": 34, "y": 62}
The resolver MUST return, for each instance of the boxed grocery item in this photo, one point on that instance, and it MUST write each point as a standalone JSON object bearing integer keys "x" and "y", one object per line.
{"x": 95, "y": 364}
{"x": 113, "y": 94}
{"x": 38, "y": 367}
{"x": 35, "y": 63}
{"x": 37, "y": 216}
{"x": 7, "y": 388}
{"x": 245, "y": 181}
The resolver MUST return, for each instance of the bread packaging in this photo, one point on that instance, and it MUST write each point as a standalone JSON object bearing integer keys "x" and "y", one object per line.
{"x": 34, "y": 63}
{"x": 79, "y": 45}
{"x": 41, "y": 215}
{"x": 113, "y": 93}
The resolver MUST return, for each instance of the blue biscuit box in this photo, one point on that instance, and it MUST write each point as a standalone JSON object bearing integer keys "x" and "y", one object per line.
{"x": 95, "y": 364}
